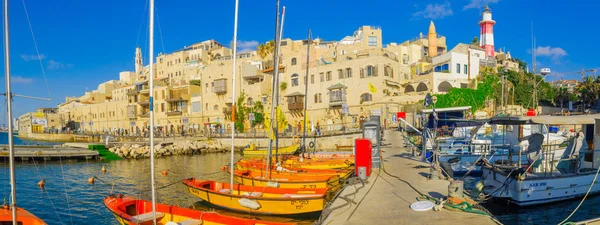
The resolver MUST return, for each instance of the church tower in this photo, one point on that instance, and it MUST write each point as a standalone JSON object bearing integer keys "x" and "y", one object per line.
{"x": 139, "y": 66}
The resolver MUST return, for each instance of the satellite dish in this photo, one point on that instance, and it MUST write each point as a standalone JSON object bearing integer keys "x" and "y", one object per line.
{"x": 545, "y": 71}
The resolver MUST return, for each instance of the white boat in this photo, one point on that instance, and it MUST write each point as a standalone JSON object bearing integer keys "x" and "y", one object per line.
{"x": 475, "y": 140}
{"x": 545, "y": 179}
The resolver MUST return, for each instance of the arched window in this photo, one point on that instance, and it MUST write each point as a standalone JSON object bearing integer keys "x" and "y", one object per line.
{"x": 444, "y": 86}
{"x": 422, "y": 87}
{"x": 409, "y": 88}
{"x": 218, "y": 55}
{"x": 294, "y": 61}
{"x": 388, "y": 72}
{"x": 294, "y": 80}
{"x": 216, "y": 107}
{"x": 366, "y": 97}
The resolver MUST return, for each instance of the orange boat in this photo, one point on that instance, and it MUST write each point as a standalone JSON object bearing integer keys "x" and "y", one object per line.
{"x": 260, "y": 168}
{"x": 130, "y": 211}
{"x": 320, "y": 156}
{"x": 259, "y": 200}
{"x": 23, "y": 217}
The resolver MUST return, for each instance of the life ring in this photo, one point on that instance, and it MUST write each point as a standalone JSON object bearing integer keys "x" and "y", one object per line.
{"x": 295, "y": 139}
{"x": 311, "y": 144}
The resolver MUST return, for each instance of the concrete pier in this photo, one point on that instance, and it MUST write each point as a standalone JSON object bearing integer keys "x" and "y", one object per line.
{"x": 386, "y": 200}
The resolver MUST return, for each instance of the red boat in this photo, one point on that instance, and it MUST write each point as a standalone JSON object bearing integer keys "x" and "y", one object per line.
{"x": 130, "y": 211}
{"x": 23, "y": 217}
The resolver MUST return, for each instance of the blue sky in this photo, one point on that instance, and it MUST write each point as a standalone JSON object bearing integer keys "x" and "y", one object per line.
{"x": 83, "y": 43}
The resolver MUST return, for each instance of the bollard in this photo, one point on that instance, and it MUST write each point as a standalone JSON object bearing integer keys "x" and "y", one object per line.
{"x": 456, "y": 189}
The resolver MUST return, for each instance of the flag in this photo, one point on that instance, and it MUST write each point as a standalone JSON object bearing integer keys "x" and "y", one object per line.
{"x": 427, "y": 102}
{"x": 372, "y": 88}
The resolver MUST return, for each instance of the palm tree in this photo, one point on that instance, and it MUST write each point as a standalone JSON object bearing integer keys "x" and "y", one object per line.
{"x": 562, "y": 95}
{"x": 265, "y": 49}
{"x": 588, "y": 90}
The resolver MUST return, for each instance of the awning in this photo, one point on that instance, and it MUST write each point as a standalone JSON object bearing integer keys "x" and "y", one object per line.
{"x": 566, "y": 120}
{"x": 271, "y": 69}
{"x": 141, "y": 82}
{"x": 465, "y": 123}
{"x": 337, "y": 86}
{"x": 295, "y": 94}
{"x": 511, "y": 120}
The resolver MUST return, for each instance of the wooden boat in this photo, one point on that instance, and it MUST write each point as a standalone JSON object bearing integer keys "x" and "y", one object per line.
{"x": 23, "y": 217}
{"x": 261, "y": 200}
{"x": 251, "y": 151}
{"x": 310, "y": 164}
{"x": 261, "y": 168}
{"x": 317, "y": 156}
{"x": 129, "y": 211}
{"x": 253, "y": 178}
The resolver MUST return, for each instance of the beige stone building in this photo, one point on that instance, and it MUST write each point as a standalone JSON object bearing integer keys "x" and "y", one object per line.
{"x": 193, "y": 86}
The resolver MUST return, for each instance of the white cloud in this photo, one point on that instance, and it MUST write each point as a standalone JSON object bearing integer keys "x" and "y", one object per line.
{"x": 478, "y": 4}
{"x": 58, "y": 65}
{"x": 246, "y": 46}
{"x": 21, "y": 80}
{"x": 553, "y": 52}
{"x": 28, "y": 58}
{"x": 434, "y": 11}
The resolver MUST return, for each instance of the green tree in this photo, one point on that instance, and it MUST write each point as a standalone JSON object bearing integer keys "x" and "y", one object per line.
{"x": 588, "y": 90}
{"x": 259, "y": 114}
{"x": 475, "y": 41}
{"x": 240, "y": 113}
{"x": 562, "y": 95}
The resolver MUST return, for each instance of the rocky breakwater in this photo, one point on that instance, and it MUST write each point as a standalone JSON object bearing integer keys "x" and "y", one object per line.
{"x": 188, "y": 147}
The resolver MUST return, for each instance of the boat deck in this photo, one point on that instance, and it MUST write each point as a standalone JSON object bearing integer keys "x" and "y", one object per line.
{"x": 386, "y": 200}
{"x": 47, "y": 153}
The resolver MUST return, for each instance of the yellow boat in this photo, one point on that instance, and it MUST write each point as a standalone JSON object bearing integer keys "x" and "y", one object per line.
{"x": 252, "y": 151}
{"x": 310, "y": 164}
{"x": 253, "y": 178}
{"x": 259, "y": 200}
{"x": 260, "y": 168}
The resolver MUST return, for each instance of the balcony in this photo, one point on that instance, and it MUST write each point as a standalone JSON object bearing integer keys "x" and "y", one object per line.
{"x": 295, "y": 101}
{"x": 220, "y": 86}
{"x": 227, "y": 110}
{"x": 132, "y": 92}
{"x": 145, "y": 115}
{"x": 337, "y": 95}
{"x": 145, "y": 102}
{"x": 174, "y": 113}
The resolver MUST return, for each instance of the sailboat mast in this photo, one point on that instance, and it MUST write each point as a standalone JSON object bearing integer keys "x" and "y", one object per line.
{"x": 276, "y": 72}
{"x": 273, "y": 123}
{"x": 151, "y": 100}
{"x": 11, "y": 147}
{"x": 306, "y": 94}
{"x": 233, "y": 100}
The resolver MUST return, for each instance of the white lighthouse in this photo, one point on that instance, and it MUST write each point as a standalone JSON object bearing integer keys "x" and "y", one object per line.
{"x": 486, "y": 38}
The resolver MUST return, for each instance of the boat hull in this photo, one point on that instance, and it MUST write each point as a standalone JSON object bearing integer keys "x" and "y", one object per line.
{"x": 125, "y": 209}
{"x": 249, "y": 152}
{"x": 260, "y": 168}
{"x": 537, "y": 190}
{"x": 23, "y": 217}
{"x": 273, "y": 201}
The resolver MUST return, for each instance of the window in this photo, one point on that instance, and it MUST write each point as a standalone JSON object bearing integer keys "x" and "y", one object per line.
{"x": 250, "y": 101}
{"x": 284, "y": 43}
{"x": 216, "y": 107}
{"x": 293, "y": 61}
{"x": 441, "y": 68}
{"x": 340, "y": 74}
{"x": 294, "y": 80}
{"x": 405, "y": 59}
{"x": 388, "y": 72}
{"x": 304, "y": 80}
{"x": 312, "y": 79}
{"x": 343, "y": 52}
{"x": 196, "y": 107}
{"x": 336, "y": 95}
{"x": 348, "y": 72}
{"x": 322, "y": 75}
{"x": 264, "y": 100}
{"x": 328, "y": 75}
{"x": 316, "y": 98}
{"x": 458, "y": 68}
{"x": 320, "y": 99}
{"x": 162, "y": 107}
{"x": 372, "y": 41}
{"x": 466, "y": 69}
{"x": 370, "y": 71}
{"x": 366, "y": 97}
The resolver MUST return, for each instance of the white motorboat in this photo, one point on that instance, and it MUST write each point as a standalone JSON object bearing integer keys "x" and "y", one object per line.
{"x": 545, "y": 179}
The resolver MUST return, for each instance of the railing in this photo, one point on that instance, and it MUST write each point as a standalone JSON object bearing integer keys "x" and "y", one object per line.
{"x": 296, "y": 106}
{"x": 174, "y": 113}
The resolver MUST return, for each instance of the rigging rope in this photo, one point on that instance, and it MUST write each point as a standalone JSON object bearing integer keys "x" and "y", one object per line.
{"x": 582, "y": 200}
{"x": 47, "y": 195}
{"x": 39, "y": 56}
{"x": 137, "y": 40}
{"x": 62, "y": 172}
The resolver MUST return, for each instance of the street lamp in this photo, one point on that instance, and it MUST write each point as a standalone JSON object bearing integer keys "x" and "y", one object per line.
{"x": 543, "y": 73}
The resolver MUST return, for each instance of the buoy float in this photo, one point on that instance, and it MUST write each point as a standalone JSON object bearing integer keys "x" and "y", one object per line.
{"x": 91, "y": 180}
{"x": 42, "y": 183}
{"x": 164, "y": 172}
{"x": 103, "y": 169}
{"x": 224, "y": 168}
